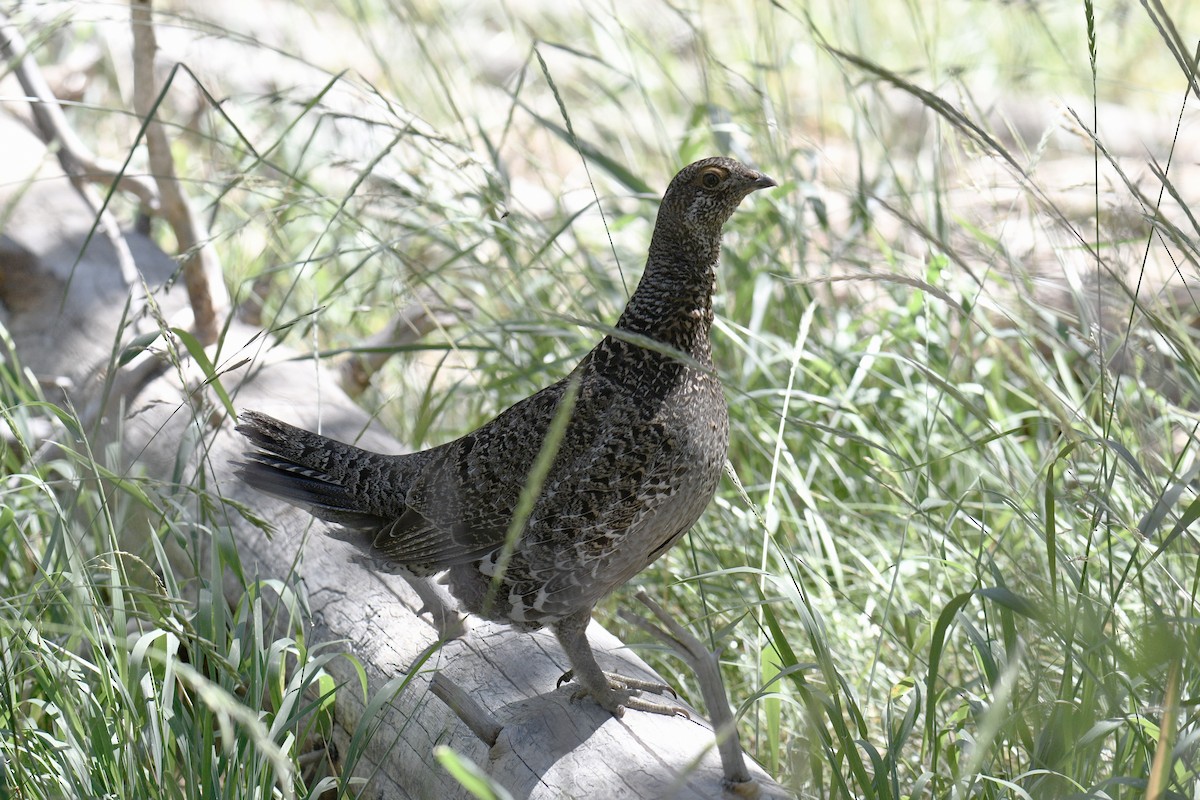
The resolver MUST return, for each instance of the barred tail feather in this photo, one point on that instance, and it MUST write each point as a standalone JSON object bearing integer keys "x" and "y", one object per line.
{"x": 294, "y": 465}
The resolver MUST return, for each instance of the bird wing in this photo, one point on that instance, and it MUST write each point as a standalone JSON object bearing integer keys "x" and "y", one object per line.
{"x": 458, "y": 508}
{"x": 607, "y": 471}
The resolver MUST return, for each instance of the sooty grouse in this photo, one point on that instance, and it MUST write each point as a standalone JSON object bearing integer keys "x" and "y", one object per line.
{"x": 635, "y": 465}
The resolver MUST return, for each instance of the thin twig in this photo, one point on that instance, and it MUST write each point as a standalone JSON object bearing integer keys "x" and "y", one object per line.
{"x": 408, "y": 326}
{"x": 707, "y": 667}
{"x": 76, "y": 160}
{"x": 201, "y": 269}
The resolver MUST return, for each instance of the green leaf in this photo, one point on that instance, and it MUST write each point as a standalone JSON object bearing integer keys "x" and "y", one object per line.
{"x": 196, "y": 350}
{"x": 469, "y": 775}
{"x": 945, "y": 619}
{"x": 137, "y": 346}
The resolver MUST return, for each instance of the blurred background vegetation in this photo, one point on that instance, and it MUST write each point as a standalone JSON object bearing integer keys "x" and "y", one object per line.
{"x": 959, "y": 345}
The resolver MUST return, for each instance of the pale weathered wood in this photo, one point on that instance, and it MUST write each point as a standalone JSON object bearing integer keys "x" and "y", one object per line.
{"x": 546, "y": 747}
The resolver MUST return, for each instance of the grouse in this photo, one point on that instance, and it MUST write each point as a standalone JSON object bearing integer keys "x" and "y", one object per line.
{"x": 635, "y": 457}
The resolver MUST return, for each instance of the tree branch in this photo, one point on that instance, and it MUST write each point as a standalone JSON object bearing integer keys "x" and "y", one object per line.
{"x": 80, "y": 165}
{"x": 201, "y": 269}
{"x": 408, "y": 326}
{"x": 706, "y": 665}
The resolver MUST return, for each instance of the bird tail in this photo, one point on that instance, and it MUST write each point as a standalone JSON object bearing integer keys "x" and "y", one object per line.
{"x": 312, "y": 471}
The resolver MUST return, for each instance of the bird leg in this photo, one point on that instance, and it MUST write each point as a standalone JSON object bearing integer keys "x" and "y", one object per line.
{"x": 613, "y": 692}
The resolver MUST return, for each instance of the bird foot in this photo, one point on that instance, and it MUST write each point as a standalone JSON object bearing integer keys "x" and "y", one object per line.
{"x": 621, "y": 692}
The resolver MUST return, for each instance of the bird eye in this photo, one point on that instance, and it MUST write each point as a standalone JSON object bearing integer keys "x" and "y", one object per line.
{"x": 710, "y": 180}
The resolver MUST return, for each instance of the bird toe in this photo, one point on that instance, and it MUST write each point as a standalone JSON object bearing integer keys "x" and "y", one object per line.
{"x": 621, "y": 692}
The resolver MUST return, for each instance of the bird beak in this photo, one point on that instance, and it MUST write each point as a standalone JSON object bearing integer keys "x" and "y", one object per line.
{"x": 762, "y": 182}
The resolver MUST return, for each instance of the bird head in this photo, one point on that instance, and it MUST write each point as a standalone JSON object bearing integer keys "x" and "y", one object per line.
{"x": 704, "y": 195}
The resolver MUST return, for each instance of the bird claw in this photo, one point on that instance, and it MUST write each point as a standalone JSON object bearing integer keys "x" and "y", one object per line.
{"x": 623, "y": 692}
{"x": 617, "y": 681}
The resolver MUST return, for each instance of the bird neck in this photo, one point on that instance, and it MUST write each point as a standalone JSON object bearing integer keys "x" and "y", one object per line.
{"x": 673, "y": 301}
